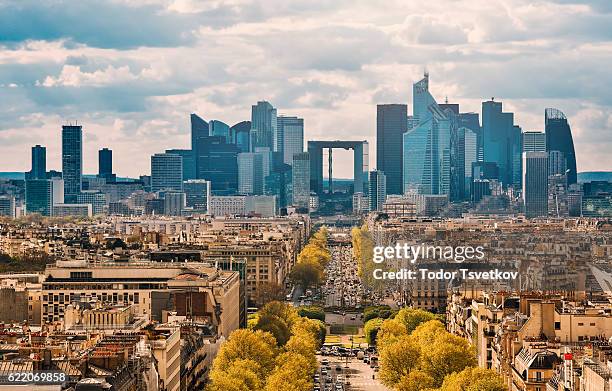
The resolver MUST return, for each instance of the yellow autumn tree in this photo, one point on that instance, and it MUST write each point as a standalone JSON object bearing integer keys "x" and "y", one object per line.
{"x": 474, "y": 379}
{"x": 397, "y": 360}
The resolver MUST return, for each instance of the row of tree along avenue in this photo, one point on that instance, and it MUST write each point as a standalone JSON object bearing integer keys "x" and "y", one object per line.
{"x": 275, "y": 353}
{"x": 416, "y": 353}
{"x": 309, "y": 269}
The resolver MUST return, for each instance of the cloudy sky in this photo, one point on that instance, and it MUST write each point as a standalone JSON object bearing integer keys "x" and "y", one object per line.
{"x": 131, "y": 71}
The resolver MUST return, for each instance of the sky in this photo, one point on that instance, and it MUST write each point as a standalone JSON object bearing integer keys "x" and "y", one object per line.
{"x": 131, "y": 71}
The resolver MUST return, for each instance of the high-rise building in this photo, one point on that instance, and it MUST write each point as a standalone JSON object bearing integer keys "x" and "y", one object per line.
{"x": 500, "y": 140}
{"x": 557, "y": 164}
{"x": 279, "y": 184}
{"x": 197, "y": 193}
{"x": 378, "y": 189}
{"x": 558, "y": 202}
{"x": 472, "y": 121}
{"x": 72, "y": 161}
{"x": 292, "y": 129}
{"x": 42, "y": 194}
{"x": 559, "y": 138}
{"x": 174, "y": 203}
{"x": 301, "y": 179}
{"x": 199, "y": 130}
{"x": 250, "y": 173}
{"x": 535, "y": 183}
{"x": 426, "y": 147}
{"x": 391, "y": 124}
{"x": 166, "y": 172}
{"x": 468, "y": 155}
{"x": 39, "y": 163}
{"x": 241, "y": 135}
{"x": 534, "y": 142}
{"x": 7, "y": 206}
{"x": 188, "y": 162}
{"x": 264, "y": 131}
{"x": 218, "y": 163}
{"x": 105, "y": 165}
{"x": 95, "y": 198}
{"x": 218, "y": 128}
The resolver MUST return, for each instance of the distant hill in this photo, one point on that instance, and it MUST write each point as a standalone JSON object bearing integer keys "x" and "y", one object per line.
{"x": 12, "y": 175}
{"x": 594, "y": 176}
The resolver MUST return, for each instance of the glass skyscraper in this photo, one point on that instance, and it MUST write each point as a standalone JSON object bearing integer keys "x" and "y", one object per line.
{"x": 292, "y": 130}
{"x": 391, "y": 124}
{"x": 105, "y": 164}
{"x": 426, "y": 147}
{"x": 535, "y": 183}
{"x": 199, "y": 130}
{"x": 534, "y": 142}
{"x": 217, "y": 162}
{"x": 72, "y": 161}
{"x": 197, "y": 192}
{"x": 39, "y": 163}
{"x": 218, "y": 128}
{"x": 559, "y": 138}
{"x": 264, "y": 127}
{"x": 42, "y": 194}
{"x": 241, "y": 135}
{"x": 188, "y": 162}
{"x": 377, "y": 189}
{"x": 301, "y": 179}
{"x": 250, "y": 173}
{"x": 166, "y": 172}
{"x": 501, "y": 141}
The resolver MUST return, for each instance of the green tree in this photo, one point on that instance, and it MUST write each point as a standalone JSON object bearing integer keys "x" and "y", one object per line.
{"x": 397, "y": 360}
{"x": 371, "y": 329}
{"x": 474, "y": 379}
{"x": 312, "y": 312}
{"x": 381, "y": 311}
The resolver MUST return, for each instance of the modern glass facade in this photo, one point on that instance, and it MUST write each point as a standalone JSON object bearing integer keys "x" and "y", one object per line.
{"x": 535, "y": 183}
{"x": 198, "y": 193}
{"x": 105, "y": 164}
{"x": 42, "y": 194}
{"x": 250, "y": 173}
{"x": 166, "y": 172}
{"x": 218, "y": 128}
{"x": 241, "y": 135}
{"x": 391, "y": 124}
{"x": 188, "y": 162}
{"x": 378, "y": 189}
{"x": 292, "y": 129}
{"x": 301, "y": 179}
{"x": 218, "y": 163}
{"x": 501, "y": 141}
{"x": 199, "y": 130}
{"x": 264, "y": 127}
{"x": 39, "y": 163}
{"x": 559, "y": 138}
{"x": 72, "y": 161}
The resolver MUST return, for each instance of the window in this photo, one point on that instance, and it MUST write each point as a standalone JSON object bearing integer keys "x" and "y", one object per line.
{"x": 592, "y": 324}
{"x": 557, "y": 325}
{"x": 580, "y": 324}
{"x": 539, "y": 376}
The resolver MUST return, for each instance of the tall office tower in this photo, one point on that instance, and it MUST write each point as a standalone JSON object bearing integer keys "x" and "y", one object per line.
{"x": 174, "y": 203}
{"x": 279, "y": 184}
{"x": 517, "y": 157}
{"x": 7, "y": 206}
{"x": 378, "y": 189}
{"x": 166, "y": 172}
{"x": 241, "y": 135}
{"x": 218, "y": 163}
{"x": 42, "y": 194}
{"x": 557, "y": 164}
{"x": 472, "y": 121}
{"x": 534, "y": 142}
{"x": 301, "y": 179}
{"x": 292, "y": 129}
{"x": 197, "y": 193}
{"x": 39, "y": 163}
{"x": 485, "y": 170}
{"x": 391, "y": 124}
{"x": 105, "y": 164}
{"x": 426, "y": 147}
{"x": 72, "y": 161}
{"x": 188, "y": 162}
{"x": 267, "y": 160}
{"x": 558, "y": 192}
{"x": 264, "y": 131}
{"x": 468, "y": 154}
{"x": 218, "y": 128}
{"x": 559, "y": 138}
{"x": 250, "y": 173}
{"x": 199, "y": 130}
{"x": 535, "y": 183}
{"x": 96, "y": 198}
{"x": 499, "y": 139}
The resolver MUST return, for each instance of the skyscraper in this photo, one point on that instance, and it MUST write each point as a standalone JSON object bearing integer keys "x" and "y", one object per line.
{"x": 197, "y": 192}
{"x": 166, "y": 172}
{"x": 534, "y": 142}
{"x": 391, "y": 124}
{"x": 535, "y": 183}
{"x": 199, "y": 130}
{"x": 468, "y": 155}
{"x": 105, "y": 164}
{"x": 264, "y": 127}
{"x": 559, "y": 138}
{"x": 557, "y": 164}
{"x": 188, "y": 162}
{"x": 378, "y": 189}
{"x": 499, "y": 139}
{"x": 218, "y": 128}
{"x": 42, "y": 194}
{"x": 39, "y": 162}
{"x": 301, "y": 179}
{"x": 218, "y": 163}
{"x": 250, "y": 173}
{"x": 292, "y": 129}
{"x": 426, "y": 147}
{"x": 241, "y": 135}
{"x": 72, "y": 161}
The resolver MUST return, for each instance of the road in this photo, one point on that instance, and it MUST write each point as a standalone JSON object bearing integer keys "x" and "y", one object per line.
{"x": 358, "y": 376}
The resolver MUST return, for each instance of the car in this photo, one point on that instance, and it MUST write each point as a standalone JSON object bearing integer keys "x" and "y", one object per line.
{"x": 338, "y": 368}
{"x": 353, "y": 317}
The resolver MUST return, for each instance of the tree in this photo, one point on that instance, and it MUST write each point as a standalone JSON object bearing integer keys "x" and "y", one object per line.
{"x": 370, "y": 330}
{"x": 291, "y": 374}
{"x": 427, "y": 333}
{"x": 390, "y": 331}
{"x": 244, "y": 344}
{"x": 416, "y": 380}
{"x": 277, "y": 318}
{"x": 306, "y": 273}
{"x": 397, "y": 360}
{"x": 412, "y": 318}
{"x": 446, "y": 355}
{"x": 474, "y": 379}
{"x": 381, "y": 311}
{"x": 312, "y": 312}
{"x": 313, "y": 327}
{"x": 269, "y": 291}
{"x": 241, "y": 375}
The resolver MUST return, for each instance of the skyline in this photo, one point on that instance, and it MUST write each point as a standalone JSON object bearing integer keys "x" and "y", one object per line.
{"x": 130, "y": 94}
